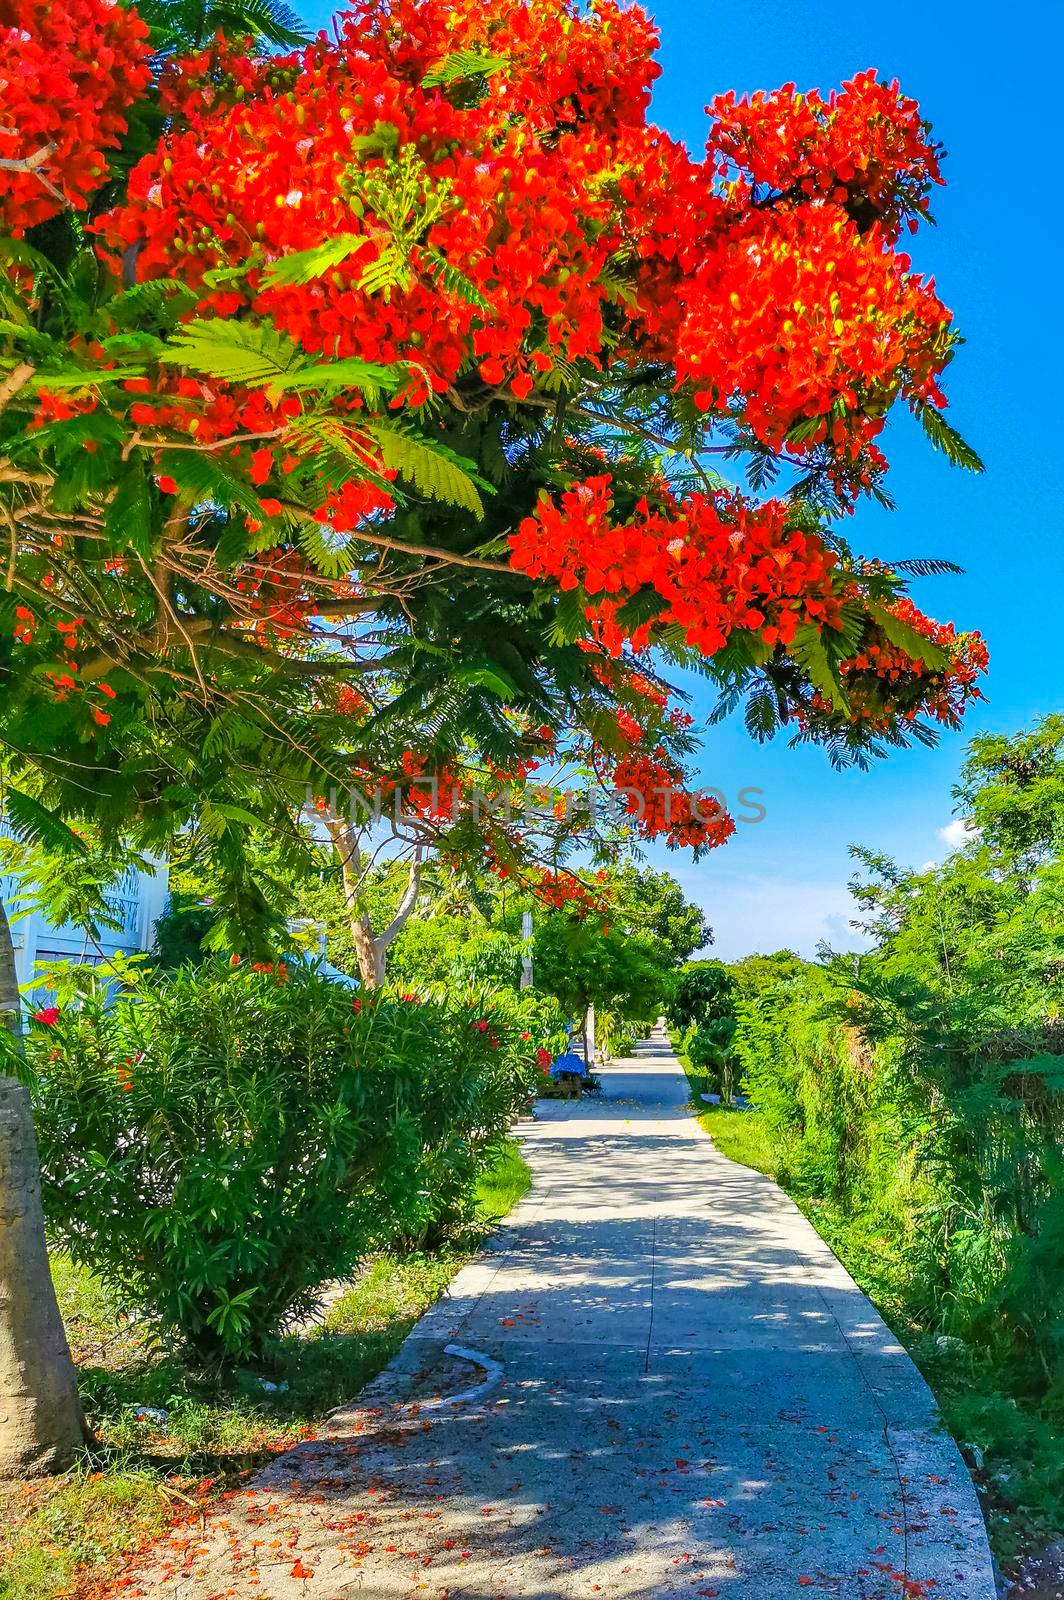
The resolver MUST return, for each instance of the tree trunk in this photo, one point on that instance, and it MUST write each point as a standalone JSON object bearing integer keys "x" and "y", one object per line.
{"x": 372, "y": 951}
{"x": 345, "y": 843}
{"x": 41, "y": 1422}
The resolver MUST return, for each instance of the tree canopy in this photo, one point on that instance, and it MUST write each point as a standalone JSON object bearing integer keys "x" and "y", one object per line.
{"x": 365, "y": 405}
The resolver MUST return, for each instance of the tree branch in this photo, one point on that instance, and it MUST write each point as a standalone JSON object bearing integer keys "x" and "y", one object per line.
{"x": 431, "y": 550}
{"x": 406, "y": 904}
{"x": 16, "y": 379}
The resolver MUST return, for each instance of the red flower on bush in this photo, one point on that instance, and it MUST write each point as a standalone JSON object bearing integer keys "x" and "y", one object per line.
{"x": 48, "y": 1016}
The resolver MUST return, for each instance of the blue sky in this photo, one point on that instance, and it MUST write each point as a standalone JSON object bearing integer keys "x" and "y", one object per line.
{"x": 988, "y": 77}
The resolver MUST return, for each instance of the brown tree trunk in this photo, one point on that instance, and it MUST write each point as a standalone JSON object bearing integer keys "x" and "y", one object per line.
{"x": 371, "y": 950}
{"x": 41, "y": 1422}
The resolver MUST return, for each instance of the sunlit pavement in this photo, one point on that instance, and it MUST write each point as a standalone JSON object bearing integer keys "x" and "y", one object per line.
{"x": 694, "y": 1399}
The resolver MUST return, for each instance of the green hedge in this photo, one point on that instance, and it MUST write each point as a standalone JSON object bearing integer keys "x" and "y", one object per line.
{"x": 220, "y": 1141}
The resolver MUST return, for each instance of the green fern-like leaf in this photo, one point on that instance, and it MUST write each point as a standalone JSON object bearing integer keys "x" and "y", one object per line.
{"x": 944, "y": 436}
{"x": 35, "y": 824}
{"x": 914, "y": 644}
{"x": 463, "y": 64}
{"x": 808, "y": 650}
{"x": 329, "y": 551}
{"x": 434, "y": 469}
{"x": 349, "y": 373}
{"x": 128, "y": 521}
{"x": 164, "y": 299}
{"x": 204, "y": 480}
{"x": 303, "y": 266}
{"x": 453, "y": 281}
{"x": 925, "y": 567}
{"x": 391, "y": 270}
{"x": 237, "y": 352}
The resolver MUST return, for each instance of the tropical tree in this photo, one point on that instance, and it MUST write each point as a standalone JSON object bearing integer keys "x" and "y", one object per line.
{"x": 704, "y": 992}
{"x": 586, "y": 962}
{"x": 654, "y": 903}
{"x": 359, "y": 406}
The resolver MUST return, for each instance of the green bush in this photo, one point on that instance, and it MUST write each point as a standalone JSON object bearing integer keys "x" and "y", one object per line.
{"x": 220, "y": 1141}
{"x": 702, "y": 992}
{"x": 709, "y": 1050}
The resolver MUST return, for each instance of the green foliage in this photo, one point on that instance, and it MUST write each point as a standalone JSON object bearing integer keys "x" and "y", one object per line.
{"x": 914, "y": 1096}
{"x": 703, "y": 992}
{"x": 462, "y": 64}
{"x": 432, "y": 467}
{"x": 243, "y": 1139}
{"x": 944, "y": 436}
{"x": 583, "y": 963}
{"x": 180, "y": 931}
{"x": 653, "y": 903}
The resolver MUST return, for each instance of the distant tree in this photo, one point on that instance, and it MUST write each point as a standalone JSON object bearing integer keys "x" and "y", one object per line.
{"x": 704, "y": 992}
{"x": 583, "y": 962}
{"x": 653, "y": 903}
{"x": 756, "y": 973}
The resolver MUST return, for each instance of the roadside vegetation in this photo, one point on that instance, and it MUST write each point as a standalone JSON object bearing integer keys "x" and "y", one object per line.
{"x": 912, "y": 1102}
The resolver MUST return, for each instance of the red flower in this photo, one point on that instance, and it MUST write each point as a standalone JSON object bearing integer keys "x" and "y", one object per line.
{"x": 48, "y": 1016}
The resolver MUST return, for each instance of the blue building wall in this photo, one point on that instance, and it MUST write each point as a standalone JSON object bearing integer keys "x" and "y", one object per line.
{"x": 138, "y": 900}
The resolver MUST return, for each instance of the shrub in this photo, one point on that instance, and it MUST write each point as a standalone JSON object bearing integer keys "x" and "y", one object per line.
{"x": 709, "y": 1050}
{"x": 219, "y": 1142}
{"x": 702, "y": 992}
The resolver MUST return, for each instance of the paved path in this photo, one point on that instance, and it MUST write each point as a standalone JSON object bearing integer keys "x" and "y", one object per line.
{"x": 695, "y": 1400}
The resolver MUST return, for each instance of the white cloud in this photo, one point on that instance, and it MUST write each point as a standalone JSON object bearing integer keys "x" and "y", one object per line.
{"x": 761, "y": 913}
{"x": 956, "y": 834}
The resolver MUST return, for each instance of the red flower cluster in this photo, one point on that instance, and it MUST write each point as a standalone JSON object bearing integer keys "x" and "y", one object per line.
{"x": 564, "y": 891}
{"x": 866, "y": 148}
{"x": 284, "y": 153}
{"x": 804, "y": 323}
{"x": 652, "y": 791}
{"x": 485, "y": 229}
{"x": 435, "y": 796}
{"x": 717, "y": 564}
{"x": 68, "y": 71}
{"x": 884, "y": 672}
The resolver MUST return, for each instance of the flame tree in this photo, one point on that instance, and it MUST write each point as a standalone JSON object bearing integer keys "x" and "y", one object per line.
{"x": 405, "y": 402}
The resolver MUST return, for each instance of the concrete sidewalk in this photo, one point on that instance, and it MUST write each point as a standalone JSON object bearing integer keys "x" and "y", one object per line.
{"x": 694, "y": 1399}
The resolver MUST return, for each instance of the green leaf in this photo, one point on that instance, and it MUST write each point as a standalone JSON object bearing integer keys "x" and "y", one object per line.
{"x": 128, "y": 520}
{"x": 166, "y": 299}
{"x": 237, "y": 352}
{"x": 85, "y": 377}
{"x": 34, "y": 823}
{"x": 303, "y": 266}
{"x": 453, "y": 281}
{"x": 434, "y": 469}
{"x": 329, "y": 551}
{"x": 348, "y": 373}
{"x": 489, "y": 678}
{"x": 944, "y": 436}
{"x": 203, "y": 480}
{"x": 914, "y": 644}
{"x": 808, "y": 650}
{"x": 463, "y": 64}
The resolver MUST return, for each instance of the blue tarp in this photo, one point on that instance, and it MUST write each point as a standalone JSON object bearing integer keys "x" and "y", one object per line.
{"x": 570, "y": 1062}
